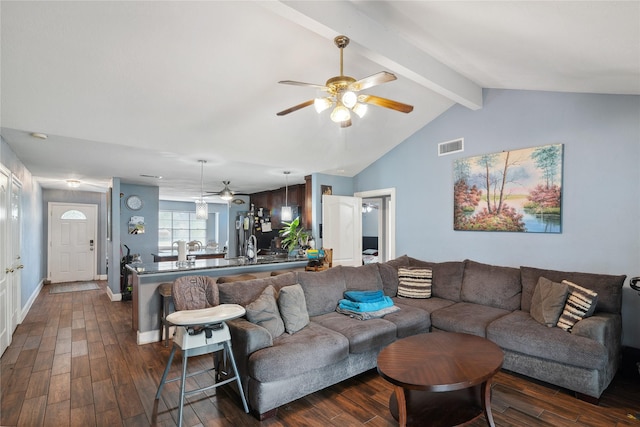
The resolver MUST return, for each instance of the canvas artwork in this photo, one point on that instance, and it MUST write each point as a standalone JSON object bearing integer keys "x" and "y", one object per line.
{"x": 518, "y": 190}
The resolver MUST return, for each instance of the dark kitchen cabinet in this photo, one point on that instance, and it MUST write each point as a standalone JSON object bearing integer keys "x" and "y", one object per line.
{"x": 272, "y": 201}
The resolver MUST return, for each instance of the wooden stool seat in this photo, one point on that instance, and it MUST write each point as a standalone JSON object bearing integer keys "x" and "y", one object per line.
{"x": 238, "y": 278}
{"x": 166, "y": 295}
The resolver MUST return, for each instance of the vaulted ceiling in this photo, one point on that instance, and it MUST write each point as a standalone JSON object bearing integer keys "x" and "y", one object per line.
{"x": 142, "y": 89}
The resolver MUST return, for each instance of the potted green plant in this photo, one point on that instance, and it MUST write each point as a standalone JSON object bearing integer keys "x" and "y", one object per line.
{"x": 293, "y": 235}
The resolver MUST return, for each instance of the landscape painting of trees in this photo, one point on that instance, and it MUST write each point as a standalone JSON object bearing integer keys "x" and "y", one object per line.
{"x": 519, "y": 190}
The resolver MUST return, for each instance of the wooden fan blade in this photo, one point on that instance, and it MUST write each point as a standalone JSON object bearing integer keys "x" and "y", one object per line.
{"x": 386, "y": 103}
{"x": 373, "y": 80}
{"x": 291, "y": 82}
{"x": 295, "y": 108}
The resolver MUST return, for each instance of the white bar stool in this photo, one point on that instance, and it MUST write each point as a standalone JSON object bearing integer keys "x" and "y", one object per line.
{"x": 200, "y": 332}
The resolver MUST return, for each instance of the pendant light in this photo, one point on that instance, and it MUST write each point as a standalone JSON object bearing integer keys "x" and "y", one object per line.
{"x": 286, "y": 213}
{"x": 202, "y": 207}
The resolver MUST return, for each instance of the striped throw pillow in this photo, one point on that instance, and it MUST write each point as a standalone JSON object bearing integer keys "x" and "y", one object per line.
{"x": 414, "y": 282}
{"x": 581, "y": 303}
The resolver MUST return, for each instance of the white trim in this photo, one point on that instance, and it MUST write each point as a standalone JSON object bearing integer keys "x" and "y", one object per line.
{"x": 32, "y": 299}
{"x": 148, "y": 337}
{"x": 112, "y": 296}
{"x": 391, "y": 193}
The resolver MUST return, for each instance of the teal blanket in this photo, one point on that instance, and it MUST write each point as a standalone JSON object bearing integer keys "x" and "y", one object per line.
{"x": 361, "y": 307}
{"x": 364, "y": 296}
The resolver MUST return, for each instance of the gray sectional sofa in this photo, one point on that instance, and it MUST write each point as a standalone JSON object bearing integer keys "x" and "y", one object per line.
{"x": 467, "y": 296}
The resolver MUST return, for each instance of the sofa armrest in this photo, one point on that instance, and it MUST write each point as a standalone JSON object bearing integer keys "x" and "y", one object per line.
{"x": 604, "y": 328}
{"x": 247, "y": 337}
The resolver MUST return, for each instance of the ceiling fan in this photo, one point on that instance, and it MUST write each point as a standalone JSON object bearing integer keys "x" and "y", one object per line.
{"x": 225, "y": 193}
{"x": 342, "y": 93}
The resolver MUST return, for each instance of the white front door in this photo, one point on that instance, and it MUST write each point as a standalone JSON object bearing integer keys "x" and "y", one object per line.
{"x": 72, "y": 242}
{"x": 342, "y": 228}
{"x": 5, "y": 265}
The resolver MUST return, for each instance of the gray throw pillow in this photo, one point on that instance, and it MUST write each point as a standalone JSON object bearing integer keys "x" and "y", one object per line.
{"x": 264, "y": 312}
{"x": 293, "y": 308}
{"x": 548, "y": 301}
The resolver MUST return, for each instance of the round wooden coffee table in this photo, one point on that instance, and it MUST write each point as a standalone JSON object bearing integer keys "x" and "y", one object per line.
{"x": 442, "y": 377}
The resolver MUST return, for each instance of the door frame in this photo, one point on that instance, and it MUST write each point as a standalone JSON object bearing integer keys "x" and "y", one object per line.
{"x": 390, "y": 194}
{"x": 95, "y": 233}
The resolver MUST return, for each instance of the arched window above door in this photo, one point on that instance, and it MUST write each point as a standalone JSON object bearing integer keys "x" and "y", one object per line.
{"x": 73, "y": 214}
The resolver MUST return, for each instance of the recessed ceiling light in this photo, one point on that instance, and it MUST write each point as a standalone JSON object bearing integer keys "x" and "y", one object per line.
{"x": 39, "y": 135}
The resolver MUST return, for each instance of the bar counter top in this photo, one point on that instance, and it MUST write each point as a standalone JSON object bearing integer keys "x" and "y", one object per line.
{"x": 208, "y": 264}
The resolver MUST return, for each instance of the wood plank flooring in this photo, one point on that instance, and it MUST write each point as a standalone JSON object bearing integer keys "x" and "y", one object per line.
{"x": 74, "y": 361}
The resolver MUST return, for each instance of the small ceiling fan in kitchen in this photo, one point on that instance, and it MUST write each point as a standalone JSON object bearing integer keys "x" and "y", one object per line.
{"x": 343, "y": 93}
{"x": 226, "y": 193}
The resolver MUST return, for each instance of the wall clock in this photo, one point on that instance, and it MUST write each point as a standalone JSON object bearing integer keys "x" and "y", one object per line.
{"x": 134, "y": 203}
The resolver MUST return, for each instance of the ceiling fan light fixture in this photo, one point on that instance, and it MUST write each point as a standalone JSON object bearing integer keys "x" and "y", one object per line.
{"x": 349, "y": 99}
{"x": 226, "y": 194}
{"x": 340, "y": 114}
{"x": 322, "y": 104}
{"x": 360, "y": 109}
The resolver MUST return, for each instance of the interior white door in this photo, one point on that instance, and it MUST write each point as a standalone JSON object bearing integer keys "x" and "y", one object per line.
{"x": 72, "y": 242}
{"x": 5, "y": 268}
{"x": 14, "y": 253}
{"x": 342, "y": 228}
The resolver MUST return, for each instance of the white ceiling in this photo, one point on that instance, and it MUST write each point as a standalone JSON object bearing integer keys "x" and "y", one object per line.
{"x": 130, "y": 88}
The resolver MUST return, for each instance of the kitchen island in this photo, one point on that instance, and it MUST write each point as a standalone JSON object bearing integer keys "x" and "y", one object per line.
{"x": 146, "y": 277}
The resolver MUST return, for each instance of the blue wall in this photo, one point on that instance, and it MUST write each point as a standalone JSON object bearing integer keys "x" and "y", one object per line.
{"x": 601, "y": 194}
{"x": 146, "y": 243}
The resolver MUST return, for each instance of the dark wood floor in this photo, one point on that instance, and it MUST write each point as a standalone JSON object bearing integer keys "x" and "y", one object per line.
{"x": 74, "y": 361}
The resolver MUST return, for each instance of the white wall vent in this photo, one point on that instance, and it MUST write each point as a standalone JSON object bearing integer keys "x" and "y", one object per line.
{"x": 450, "y": 147}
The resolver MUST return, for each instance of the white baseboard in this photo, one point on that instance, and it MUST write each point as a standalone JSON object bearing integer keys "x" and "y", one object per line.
{"x": 112, "y": 296}
{"x": 101, "y": 277}
{"x": 32, "y": 299}
{"x": 148, "y": 337}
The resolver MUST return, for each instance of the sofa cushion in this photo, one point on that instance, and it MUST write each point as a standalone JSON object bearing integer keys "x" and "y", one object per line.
{"x": 446, "y": 278}
{"x": 401, "y": 261}
{"x": 466, "y": 317}
{"x": 548, "y": 301}
{"x": 608, "y": 287}
{"x": 414, "y": 282}
{"x": 409, "y": 321}
{"x": 581, "y": 302}
{"x": 264, "y": 312}
{"x": 246, "y": 291}
{"x": 363, "y": 278}
{"x": 313, "y": 347}
{"x": 519, "y": 332}
{"x": 293, "y": 308}
{"x": 429, "y": 305}
{"x": 363, "y": 335}
{"x": 491, "y": 285}
{"x": 322, "y": 289}
{"x": 389, "y": 276}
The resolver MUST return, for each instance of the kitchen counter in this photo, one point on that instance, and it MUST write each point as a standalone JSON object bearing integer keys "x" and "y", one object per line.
{"x": 173, "y": 255}
{"x": 146, "y": 277}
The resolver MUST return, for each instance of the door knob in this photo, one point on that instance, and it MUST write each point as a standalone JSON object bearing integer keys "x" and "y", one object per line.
{"x": 20, "y": 267}
{"x": 8, "y": 270}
